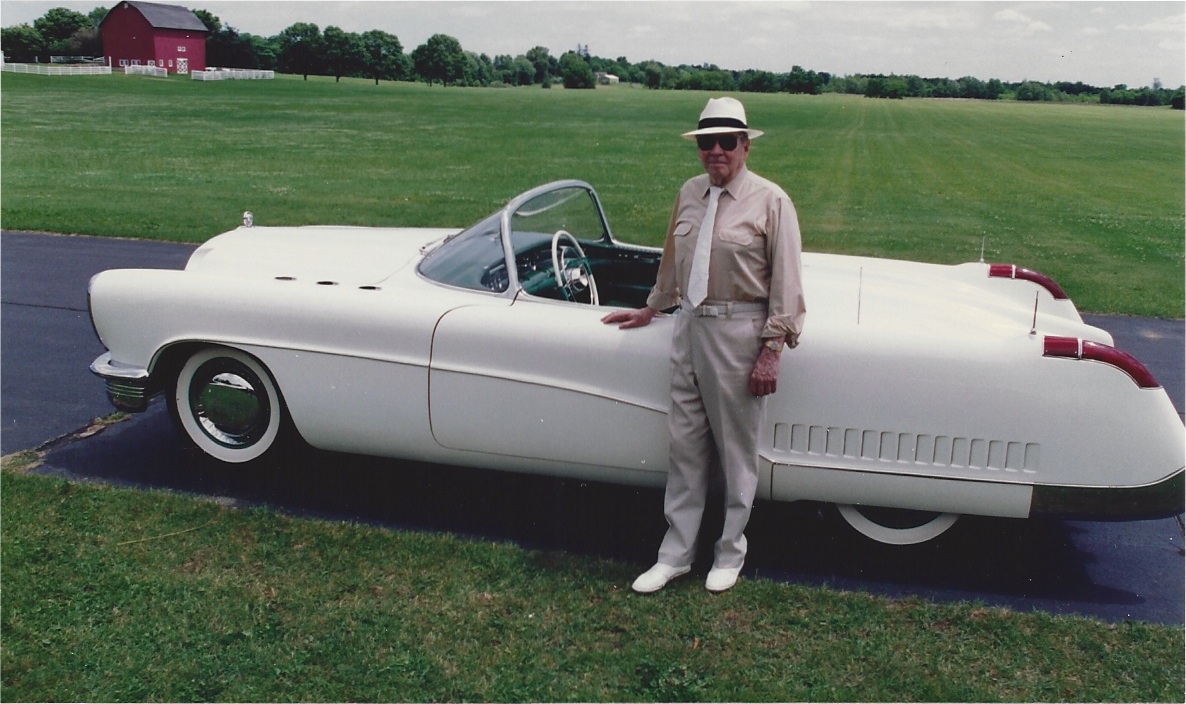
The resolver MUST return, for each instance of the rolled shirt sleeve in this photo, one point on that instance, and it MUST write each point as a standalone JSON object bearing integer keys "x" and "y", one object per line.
{"x": 788, "y": 307}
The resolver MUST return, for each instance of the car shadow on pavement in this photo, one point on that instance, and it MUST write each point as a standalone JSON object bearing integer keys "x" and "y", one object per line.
{"x": 1001, "y": 561}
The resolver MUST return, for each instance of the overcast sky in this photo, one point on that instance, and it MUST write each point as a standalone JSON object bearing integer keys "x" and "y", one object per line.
{"x": 1099, "y": 43}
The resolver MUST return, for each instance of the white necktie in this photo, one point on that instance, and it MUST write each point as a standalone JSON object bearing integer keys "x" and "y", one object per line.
{"x": 698, "y": 281}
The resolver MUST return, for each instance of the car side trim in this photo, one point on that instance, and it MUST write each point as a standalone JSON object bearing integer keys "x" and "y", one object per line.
{"x": 1158, "y": 500}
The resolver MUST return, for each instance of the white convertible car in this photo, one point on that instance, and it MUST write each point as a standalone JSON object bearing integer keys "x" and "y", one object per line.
{"x": 920, "y": 392}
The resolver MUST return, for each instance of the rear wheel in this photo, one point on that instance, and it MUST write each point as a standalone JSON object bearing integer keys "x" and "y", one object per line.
{"x": 227, "y": 405}
{"x": 896, "y": 526}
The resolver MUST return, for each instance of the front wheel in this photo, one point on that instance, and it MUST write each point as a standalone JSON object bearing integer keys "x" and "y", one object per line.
{"x": 228, "y": 405}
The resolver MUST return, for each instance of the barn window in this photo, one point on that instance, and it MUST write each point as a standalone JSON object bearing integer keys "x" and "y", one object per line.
{"x": 181, "y": 49}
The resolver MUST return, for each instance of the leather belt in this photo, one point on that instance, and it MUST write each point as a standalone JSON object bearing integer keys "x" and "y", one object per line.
{"x": 724, "y": 309}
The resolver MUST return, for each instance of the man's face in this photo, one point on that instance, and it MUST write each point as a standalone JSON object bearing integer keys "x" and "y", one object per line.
{"x": 721, "y": 164}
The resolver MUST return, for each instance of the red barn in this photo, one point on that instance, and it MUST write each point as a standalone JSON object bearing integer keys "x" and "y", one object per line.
{"x": 149, "y": 34}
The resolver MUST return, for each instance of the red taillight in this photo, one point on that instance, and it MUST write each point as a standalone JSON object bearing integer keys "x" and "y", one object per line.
{"x": 1074, "y": 348}
{"x": 1061, "y": 347}
{"x": 1011, "y": 271}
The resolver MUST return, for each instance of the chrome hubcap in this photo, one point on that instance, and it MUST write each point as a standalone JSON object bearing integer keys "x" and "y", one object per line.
{"x": 230, "y": 403}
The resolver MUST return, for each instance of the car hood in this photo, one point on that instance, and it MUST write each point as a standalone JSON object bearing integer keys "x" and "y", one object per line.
{"x": 344, "y": 255}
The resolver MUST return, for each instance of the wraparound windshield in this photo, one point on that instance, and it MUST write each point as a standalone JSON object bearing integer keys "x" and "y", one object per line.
{"x": 475, "y": 259}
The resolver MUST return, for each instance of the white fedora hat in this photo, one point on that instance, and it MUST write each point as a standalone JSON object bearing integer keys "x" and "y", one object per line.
{"x": 722, "y": 115}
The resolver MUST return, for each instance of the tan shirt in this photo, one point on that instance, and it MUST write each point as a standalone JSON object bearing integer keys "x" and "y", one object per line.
{"x": 756, "y": 251}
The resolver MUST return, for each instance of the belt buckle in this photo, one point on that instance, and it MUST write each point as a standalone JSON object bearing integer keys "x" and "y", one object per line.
{"x": 710, "y": 311}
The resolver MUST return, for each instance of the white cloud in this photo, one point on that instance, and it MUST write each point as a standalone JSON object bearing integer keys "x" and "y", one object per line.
{"x": 1101, "y": 42}
{"x": 935, "y": 18}
{"x": 1022, "y": 25}
{"x": 1175, "y": 24}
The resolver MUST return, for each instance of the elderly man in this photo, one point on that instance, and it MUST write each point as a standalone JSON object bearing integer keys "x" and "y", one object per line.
{"x": 731, "y": 262}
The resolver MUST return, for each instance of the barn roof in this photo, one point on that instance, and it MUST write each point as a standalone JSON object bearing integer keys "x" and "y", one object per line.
{"x": 166, "y": 16}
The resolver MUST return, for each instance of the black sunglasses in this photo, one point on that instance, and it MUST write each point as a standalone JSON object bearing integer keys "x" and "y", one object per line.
{"x": 706, "y": 142}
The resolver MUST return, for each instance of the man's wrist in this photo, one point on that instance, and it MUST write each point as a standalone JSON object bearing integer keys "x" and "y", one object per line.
{"x": 774, "y": 344}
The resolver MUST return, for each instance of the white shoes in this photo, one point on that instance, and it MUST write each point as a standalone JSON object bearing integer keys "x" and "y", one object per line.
{"x": 721, "y": 578}
{"x": 657, "y": 577}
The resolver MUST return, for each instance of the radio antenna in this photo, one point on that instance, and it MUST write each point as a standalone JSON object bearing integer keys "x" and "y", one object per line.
{"x": 1034, "y": 326}
{"x": 860, "y": 287}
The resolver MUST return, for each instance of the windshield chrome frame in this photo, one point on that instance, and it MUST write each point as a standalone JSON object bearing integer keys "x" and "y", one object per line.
{"x": 514, "y": 288}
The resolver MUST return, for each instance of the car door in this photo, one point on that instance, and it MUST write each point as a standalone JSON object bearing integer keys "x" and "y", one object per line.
{"x": 546, "y": 380}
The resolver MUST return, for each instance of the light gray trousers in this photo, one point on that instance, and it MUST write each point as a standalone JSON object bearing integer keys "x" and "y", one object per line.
{"x": 713, "y": 423}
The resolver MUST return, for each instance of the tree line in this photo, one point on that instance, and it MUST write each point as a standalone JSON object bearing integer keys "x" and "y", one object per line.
{"x": 305, "y": 49}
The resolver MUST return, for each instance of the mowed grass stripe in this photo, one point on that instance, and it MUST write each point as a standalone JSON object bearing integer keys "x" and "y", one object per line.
{"x": 1091, "y": 195}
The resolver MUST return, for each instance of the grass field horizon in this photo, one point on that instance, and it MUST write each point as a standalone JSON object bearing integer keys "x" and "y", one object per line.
{"x": 1091, "y": 195}
{"x": 121, "y": 594}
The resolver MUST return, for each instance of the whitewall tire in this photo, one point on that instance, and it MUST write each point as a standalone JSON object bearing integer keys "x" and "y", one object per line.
{"x": 896, "y": 526}
{"x": 228, "y": 405}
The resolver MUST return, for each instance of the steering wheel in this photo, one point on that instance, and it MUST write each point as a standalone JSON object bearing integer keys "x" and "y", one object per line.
{"x": 573, "y": 273}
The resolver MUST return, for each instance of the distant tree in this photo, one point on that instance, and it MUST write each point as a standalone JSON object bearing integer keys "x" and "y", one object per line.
{"x": 803, "y": 81}
{"x": 230, "y": 49}
{"x": 1178, "y": 101}
{"x": 383, "y": 56}
{"x": 1032, "y": 91}
{"x": 97, "y": 15}
{"x": 849, "y": 85}
{"x": 758, "y": 82}
{"x": 212, "y": 22}
{"x": 545, "y": 65}
{"x": 971, "y": 87}
{"x": 652, "y": 74}
{"x": 575, "y": 72}
{"x": 945, "y": 88}
{"x": 672, "y": 77}
{"x": 441, "y": 58}
{"x": 302, "y": 49}
{"x": 59, "y": 24}
{"x": 21, "y": 43}
{"x": 225, "y": 46}
{"x": 479, "y": 70}
{"x": 522, "y": 70}
{"x": 87, "y": 41}
{"x": 876, "y": 87}
{"x": 266, "y": 51}
{"x": 895, "y": 88}
{"x": 343, "y": 52}
{"x": 711, "y": 79}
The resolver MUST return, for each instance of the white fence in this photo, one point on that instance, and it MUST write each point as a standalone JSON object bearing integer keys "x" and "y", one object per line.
{"x": 57, "y": 70}
{"x": 155, "y": 71}
{"x": 232, "y": 74}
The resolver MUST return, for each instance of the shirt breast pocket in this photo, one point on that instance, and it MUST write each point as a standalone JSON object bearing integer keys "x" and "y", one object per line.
{"x": 684, "y": 245}
{"x": 742, "y": 238}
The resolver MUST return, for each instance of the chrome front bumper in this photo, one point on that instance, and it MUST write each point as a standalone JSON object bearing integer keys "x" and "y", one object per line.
{"x": 127, "y": 387}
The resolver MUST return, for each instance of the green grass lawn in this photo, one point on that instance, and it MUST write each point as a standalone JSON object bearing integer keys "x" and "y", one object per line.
{"x": 118, "y": 595}
{"x": 1091, "y": 195}
{"x": 122, "y": 595}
